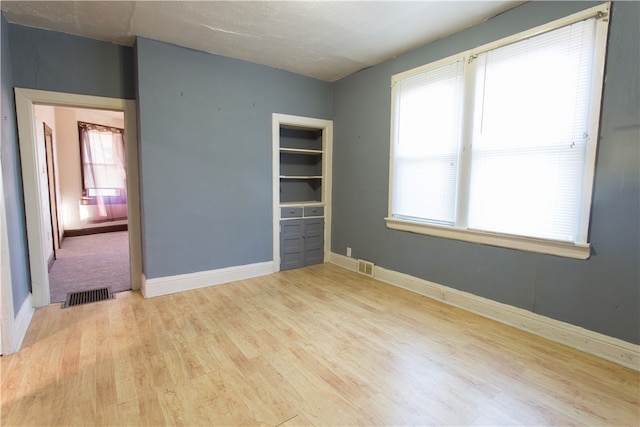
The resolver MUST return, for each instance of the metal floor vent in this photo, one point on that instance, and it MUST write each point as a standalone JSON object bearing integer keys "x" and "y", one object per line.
{"x": 87, "y": 297}
{"x": 365, "y": 267}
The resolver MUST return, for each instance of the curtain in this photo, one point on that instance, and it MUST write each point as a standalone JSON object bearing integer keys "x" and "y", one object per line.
{"x": 103, "y": 166}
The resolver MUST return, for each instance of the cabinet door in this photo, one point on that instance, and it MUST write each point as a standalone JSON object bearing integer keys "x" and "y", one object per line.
{"x": 314, "y": 241}
{"x": 291, "y": 244}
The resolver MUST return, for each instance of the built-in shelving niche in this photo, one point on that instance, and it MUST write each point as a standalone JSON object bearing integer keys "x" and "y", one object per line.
{"x": 301, "y": 153}
{"x": 302, "y": 162}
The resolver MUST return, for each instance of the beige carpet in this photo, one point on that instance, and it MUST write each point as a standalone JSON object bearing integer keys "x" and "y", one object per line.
{"x": 90, "y": 262}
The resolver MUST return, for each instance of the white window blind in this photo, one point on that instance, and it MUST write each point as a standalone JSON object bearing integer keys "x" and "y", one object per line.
{"x": 429, "y": 107}
{"x": 531, "y": 127}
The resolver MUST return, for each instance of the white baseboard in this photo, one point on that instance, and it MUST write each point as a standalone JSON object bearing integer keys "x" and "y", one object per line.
{"x": 21, "y": 323}
{"x": 343, "y": 261}
{"x": 185, "y": 282}
{"x": 612, "y": 349}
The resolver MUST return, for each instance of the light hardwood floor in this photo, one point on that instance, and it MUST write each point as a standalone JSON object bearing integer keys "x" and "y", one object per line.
{"x": 316, "y": 346}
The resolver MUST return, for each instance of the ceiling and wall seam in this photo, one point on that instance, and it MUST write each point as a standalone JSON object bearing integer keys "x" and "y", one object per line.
{"x": 323, "y": 40}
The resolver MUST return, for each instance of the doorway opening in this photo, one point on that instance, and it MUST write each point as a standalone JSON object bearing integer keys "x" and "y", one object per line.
{"x": 85, "y": 159}
{"x": 41, "y": 226}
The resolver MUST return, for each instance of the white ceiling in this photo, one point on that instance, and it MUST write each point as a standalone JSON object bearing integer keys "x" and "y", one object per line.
{"x": 327, "y": 40}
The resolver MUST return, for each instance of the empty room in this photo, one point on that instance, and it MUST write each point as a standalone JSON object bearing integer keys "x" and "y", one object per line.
{"x": 339, "y": 213}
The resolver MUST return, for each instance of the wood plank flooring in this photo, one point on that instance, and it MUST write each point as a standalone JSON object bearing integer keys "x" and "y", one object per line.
{"x": 320, "y": 346}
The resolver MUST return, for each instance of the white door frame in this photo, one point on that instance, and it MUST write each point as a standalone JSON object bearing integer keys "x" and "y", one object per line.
{"x": 7, "y": 315}
{"x": 25, "y": 101}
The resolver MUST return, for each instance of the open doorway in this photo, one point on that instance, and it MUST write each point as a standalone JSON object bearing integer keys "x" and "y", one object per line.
{"x": 85, "y": 153}
{"x": 39, "y": 230}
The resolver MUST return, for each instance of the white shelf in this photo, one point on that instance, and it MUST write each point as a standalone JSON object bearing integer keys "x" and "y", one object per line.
{"x": 300, "y": 151}
{"x": 300, "y": 177}
{"x": 301, "y": 203}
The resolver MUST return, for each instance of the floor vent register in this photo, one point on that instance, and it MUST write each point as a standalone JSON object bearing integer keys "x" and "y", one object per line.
{"x": 87, "y": 297}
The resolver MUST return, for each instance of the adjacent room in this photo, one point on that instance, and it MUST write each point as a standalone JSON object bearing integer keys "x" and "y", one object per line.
{"x": 87, "y": 245}
{"x": 320, "y": 213}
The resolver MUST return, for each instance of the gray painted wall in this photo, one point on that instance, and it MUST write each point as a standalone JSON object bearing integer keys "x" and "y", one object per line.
{"x": 601, "y": 294}
{"x": 205, "y": 155}
{"x": 58, "y": 62}
{"x": 12, "y": 182}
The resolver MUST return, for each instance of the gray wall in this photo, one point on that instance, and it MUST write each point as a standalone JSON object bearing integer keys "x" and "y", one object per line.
{"x": 58, "y": 62}
{"x": 205, "y": 155}
{"x": 602, "y": 293}
{"x": 12, "y": 182}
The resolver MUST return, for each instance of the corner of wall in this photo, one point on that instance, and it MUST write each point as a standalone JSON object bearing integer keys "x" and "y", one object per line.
{"x": 21, "y": 325}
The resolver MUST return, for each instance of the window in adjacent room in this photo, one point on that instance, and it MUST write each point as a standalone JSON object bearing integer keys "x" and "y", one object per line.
{"x": 497, "y": 145}
{"x": 104, "y": 181}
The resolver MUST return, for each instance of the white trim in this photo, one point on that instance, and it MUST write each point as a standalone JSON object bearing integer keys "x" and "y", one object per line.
{"x": 550, "y": 247}
{"x": 21, "y": 325}
{"x": 134, "y": 219}
{"x": 7, "y": 319}
{"x": 343, "y": 261}
{"x": 603, "y": 346}
{"x": 275, "y": 191}
{"x": 32, "y": 200}
{"x": 428, "y": 67}
{"x": 25, "y": 100}
{"x": 602, "y": 31}
{"x": 592, "y": 12}
{"x": 202, "y": 279}
{"x": 326, "y": 126}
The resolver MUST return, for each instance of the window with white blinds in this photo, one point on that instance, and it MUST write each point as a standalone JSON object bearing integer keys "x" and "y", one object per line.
{"x": 429, "y": 111}
{"x": 500, "y": 141}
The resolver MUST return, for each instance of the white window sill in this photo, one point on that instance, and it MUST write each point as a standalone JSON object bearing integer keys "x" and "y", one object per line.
{"x": 564, "y": 249}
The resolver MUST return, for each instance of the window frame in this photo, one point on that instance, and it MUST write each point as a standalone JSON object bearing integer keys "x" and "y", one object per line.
{"x": 578, "y": 250}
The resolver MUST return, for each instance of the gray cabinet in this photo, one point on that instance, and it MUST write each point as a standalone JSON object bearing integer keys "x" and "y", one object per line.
{"x": 313, "y": 241}
{"x": 301, "y": 242}
{"x": 313, "y": 211}
{"x": 291, "y": 212}
{"x": 291, "y": 244}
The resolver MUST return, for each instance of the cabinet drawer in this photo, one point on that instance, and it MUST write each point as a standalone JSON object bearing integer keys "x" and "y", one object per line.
{"x": 290, "y": 212}
{"x": 313, "y": 211}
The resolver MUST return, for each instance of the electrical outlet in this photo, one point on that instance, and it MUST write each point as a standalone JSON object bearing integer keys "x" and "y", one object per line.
{"x": 349, "y": 252}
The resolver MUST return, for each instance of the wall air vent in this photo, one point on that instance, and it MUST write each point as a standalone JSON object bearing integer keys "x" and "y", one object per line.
{"x": 365, "y": 267}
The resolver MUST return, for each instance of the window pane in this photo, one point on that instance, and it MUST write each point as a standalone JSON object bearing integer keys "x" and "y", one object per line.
{"x": 425, "y": 154}
{"x": 529, "y": 145}
{"x": 104, "y": 161}
{"x": 100, "y": 148}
